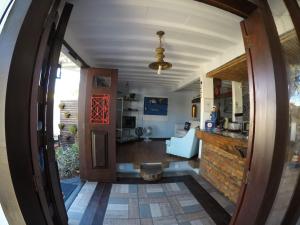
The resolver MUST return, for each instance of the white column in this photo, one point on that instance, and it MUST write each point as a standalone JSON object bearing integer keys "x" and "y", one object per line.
{"x": 207, "y": 101}
{"x": 237, "y": 98}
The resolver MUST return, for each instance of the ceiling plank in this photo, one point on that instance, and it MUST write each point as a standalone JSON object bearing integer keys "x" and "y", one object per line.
{"x": 234, "y": 70}
{"x": 242, "y": 8}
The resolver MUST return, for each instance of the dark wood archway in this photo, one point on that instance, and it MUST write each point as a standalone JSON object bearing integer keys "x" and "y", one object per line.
{"x": 269, "y": 101}
{"x": 28, "y": 113}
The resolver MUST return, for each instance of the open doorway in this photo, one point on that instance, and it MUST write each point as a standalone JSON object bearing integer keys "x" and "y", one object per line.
{"x": 175, "y": 185}
{"x": 150, "y": 106}
{"x": 65, "y": 125}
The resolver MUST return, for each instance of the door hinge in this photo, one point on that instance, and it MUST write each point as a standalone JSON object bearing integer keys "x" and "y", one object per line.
{"x": 247, "y": 177}
{"x": 248, "y": 41}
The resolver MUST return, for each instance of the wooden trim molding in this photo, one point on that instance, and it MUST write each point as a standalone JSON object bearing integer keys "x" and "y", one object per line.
{"x": 242, "y": 8}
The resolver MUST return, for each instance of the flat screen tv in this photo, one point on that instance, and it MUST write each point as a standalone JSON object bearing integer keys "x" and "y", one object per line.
{"x": 129, "y": 122}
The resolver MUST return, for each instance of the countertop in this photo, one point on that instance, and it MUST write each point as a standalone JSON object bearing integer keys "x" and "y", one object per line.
{"x": 234, "y": 143}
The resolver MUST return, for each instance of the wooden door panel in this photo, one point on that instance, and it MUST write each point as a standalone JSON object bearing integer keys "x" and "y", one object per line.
{"x": 97, "y": 124}
{"x": 99, "y": 148}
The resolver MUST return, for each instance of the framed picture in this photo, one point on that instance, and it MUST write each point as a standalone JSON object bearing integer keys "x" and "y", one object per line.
{"x": 156, "y": 106}
{"x": 101, "y": 82}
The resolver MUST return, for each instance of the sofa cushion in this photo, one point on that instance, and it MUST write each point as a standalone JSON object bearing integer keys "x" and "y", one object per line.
{"x": 187, "y": 125}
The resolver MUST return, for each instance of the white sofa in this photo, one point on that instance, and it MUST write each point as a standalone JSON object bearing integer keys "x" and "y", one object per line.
{"x": 186, "y": 146}
{"x": 181, "y": 132}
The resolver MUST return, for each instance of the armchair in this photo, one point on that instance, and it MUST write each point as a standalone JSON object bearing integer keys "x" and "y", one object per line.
{"x": 186, "y": 146}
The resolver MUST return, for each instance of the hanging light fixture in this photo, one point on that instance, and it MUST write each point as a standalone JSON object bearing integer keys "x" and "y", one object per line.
{"x": 160, "y": 64}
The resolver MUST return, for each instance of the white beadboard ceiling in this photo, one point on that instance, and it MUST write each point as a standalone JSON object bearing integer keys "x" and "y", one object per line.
{"x": 121, "y": 34}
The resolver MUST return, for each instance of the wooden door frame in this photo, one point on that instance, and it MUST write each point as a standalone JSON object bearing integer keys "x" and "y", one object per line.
{"x": 18, "y": 98}
{"x": 23, "y": 94}
{"x": 293, "y": 213}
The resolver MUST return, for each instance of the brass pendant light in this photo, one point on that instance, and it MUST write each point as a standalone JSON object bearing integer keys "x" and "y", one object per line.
{"x": 160, "y": 64}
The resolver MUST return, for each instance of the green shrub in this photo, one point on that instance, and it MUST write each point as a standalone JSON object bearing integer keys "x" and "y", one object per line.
{"x": 67, "y": 160}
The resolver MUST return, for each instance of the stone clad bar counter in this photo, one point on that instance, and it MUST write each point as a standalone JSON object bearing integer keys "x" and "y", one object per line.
{"x": 223, "y": 161}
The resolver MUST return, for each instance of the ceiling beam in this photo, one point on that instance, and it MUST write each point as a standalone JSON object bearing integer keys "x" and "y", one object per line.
{"x": 136, "y": 52}
{"x": 157, "y": 24}
{"x": 146, "y": 71}
{"x": 149, "y": 80}
{"x": 156, "y": 77}
{"x": 74, "y": 55}
{"x": 145, "y": 41}
{"x": 143, "y": 60}
{"x": 132, "y": 66}
{"x": 242, "y": 8}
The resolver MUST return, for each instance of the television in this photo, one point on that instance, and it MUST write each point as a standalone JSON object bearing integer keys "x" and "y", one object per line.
{"x": 129, "y": 122}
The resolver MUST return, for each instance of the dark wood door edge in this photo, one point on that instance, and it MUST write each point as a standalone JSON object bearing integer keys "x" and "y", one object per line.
{"x": 17, "y": 112}
{"x": 75, "y": 56}
{"x": 252, "y": 123}
{"x": 60, "y": 217}
{"x": 242, "y": 8}
{"x": 270, "y": 117}
{"x": 35, "y": 93}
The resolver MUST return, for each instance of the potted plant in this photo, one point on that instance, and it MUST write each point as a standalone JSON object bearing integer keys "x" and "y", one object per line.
{"x": 61, "y": 126}
{"x": 62, "y": 105}
{"x": 67, "y": 114}
{"x": 73, "y": 129}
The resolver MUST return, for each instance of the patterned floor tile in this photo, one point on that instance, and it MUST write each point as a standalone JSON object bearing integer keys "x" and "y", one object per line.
{"x": 154, "y": 204}
{"x": 121, "y": 222}
{"x": 165, "y": 221}
{"x": 150, "y": 190}
{"x": 188, "y": 217}
{"x": 185, "y": 204}
{"x": 124, "y": 190}
{"x": 175, "y": 189}
{"x": 146, "y": 222}
{"x": 81, "y": 202}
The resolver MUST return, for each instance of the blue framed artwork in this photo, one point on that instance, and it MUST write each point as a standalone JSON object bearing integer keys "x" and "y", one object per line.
{"x": 155, "y": 106}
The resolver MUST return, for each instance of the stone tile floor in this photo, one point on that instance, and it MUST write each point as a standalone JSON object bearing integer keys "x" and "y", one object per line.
{"x": 81, "y": 202}
{"x": 154, "y": 204}
{"x": 137, "y": 197}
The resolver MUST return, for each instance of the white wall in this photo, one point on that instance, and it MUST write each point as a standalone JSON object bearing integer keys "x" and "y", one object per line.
{"x": 179, "y": 110}
{"x": 3, "y": 220}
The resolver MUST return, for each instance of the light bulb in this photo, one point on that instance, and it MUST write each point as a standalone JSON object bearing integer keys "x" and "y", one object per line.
{"x": 159, "y": 70}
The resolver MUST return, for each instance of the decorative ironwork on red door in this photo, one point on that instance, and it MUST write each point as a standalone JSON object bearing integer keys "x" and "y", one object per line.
{"x": 100, "y": 109}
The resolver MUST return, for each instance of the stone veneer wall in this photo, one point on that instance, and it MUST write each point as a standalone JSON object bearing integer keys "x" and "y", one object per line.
{"x": 223, "y": 169}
